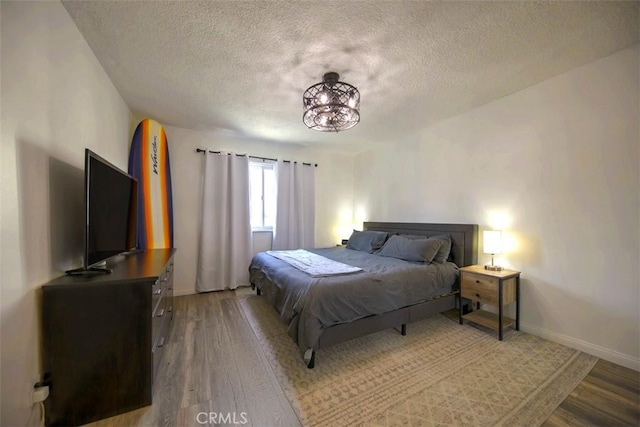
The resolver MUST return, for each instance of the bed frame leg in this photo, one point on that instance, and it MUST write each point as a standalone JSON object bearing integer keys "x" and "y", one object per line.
{"x": 312, "y": 360}
{"x": 403, "y": 329}
{"x": 255, "y": 288}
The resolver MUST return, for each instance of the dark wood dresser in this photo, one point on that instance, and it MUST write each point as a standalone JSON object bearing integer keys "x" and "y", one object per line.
{"x": 103, "y": 337}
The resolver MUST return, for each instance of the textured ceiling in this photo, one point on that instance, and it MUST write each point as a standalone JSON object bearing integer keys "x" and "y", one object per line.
{"x": 241, "y": 67}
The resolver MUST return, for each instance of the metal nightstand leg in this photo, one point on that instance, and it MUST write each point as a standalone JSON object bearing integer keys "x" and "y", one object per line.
{"x": 500, "y": 310}
{"x": 518, "y": 303}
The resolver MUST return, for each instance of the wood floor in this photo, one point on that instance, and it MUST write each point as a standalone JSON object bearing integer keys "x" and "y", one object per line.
{"x": 214, "y": 372}
{"x": 608, "y": 396}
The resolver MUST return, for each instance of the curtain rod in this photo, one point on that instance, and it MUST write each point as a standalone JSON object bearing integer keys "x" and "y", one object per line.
{"x": 200, "y": 150}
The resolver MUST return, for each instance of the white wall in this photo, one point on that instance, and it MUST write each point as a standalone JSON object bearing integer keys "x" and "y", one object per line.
{"x": 334, "y": 191}
{"x": 56, "y": 100}
{"x": 557, "y": 167}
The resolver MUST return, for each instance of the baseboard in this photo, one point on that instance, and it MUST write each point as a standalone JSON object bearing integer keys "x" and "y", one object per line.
{"x": 587, "y": 347}
{"x": 183, "y": 293}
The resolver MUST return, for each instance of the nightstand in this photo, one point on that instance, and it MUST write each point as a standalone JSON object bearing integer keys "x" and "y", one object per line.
{"x": 495, "y": 288}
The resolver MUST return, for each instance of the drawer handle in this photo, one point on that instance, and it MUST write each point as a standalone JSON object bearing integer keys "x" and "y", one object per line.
{"x": 158, "y": 291}
{"x": 478, "y": 295}
{"x": 161, "y": 313}
{"x": 477, "y": 281}
{"x": 161, "y": 343}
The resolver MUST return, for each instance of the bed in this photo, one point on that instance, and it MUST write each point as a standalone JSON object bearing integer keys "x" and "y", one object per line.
{"x": 387, "y": 293}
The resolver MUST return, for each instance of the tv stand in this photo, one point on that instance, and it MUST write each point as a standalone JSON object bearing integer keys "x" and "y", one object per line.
{"x": 88, "y": 271}
{"x": 103, "y": 336}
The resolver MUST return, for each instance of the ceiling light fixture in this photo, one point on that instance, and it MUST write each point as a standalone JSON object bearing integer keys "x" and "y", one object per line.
{"x": 331, "y": 106}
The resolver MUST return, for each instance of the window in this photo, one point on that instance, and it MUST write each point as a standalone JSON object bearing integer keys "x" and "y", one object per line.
{"x": 262, "y": 180}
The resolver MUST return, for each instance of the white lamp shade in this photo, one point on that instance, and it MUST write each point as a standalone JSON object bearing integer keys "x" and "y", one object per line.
{"x": 492, "y": 241}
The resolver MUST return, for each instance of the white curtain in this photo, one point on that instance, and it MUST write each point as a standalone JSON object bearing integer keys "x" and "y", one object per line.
{"x": 295, "y": 217}
{"x": 225, "y": 241}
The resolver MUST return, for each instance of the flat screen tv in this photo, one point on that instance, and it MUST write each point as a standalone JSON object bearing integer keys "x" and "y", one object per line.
{"x": 111, "y": 201}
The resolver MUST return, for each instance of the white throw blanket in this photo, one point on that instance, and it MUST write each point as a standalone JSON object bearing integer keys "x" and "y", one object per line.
{"x": 313, "y": 264}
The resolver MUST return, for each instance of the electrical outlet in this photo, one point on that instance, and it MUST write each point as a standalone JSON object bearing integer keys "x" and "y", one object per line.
{"x": 40, "y": 393}
{"x": 28, "y": 389}
{"x": 38, "y": 389}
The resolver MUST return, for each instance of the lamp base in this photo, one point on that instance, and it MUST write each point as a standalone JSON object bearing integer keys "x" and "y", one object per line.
{"x": 493, "y": 267}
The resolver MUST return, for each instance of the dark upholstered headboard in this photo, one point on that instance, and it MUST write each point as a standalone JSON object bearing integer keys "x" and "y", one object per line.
{"x": 464, "y": 237}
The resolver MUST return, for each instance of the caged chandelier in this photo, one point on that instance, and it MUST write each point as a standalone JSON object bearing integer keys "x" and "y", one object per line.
{"x": 331, "y": 106}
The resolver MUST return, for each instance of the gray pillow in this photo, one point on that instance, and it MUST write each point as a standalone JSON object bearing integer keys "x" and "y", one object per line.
{"x": 367, "y": 241}
{"x": 445, "y": 249}
{"x": 444, "y": 252}
{"x": 411, "y": 249}
{"x": 413, "y": 236}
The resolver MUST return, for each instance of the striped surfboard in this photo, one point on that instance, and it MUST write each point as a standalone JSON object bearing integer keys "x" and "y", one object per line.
{"x": 149, "y": 163}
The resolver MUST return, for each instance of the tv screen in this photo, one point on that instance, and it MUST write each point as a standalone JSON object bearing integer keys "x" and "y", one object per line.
{"x": 111, "y": 197}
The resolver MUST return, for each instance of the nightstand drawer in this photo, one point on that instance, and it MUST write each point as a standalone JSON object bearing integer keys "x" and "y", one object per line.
{"x": 480, "y": 294}
{"x": 484, "y": 289}
{"x": 479, "y": 280}
{"x": 480, "y": 288}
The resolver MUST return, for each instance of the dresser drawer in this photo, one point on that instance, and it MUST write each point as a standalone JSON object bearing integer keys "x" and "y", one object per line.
{"x": 480, "y": 288}
{"x": 161, "y": 285}
{"x": 159, "y": 343}
{"x": 169, "y": 288}
{"x": 157, "y": 319}
{"x": 156, "y": 295}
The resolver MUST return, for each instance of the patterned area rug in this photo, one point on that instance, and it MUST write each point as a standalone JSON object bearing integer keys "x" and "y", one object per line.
{"x": 440, "y": 373}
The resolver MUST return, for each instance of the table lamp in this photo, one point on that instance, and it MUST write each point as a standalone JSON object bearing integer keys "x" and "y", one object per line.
{"x": 492, "y": 244}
